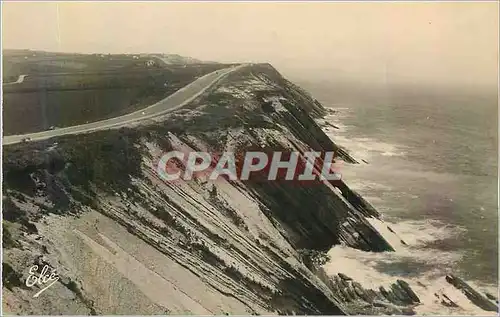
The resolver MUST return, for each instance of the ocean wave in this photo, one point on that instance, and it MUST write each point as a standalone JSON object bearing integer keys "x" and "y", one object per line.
{"x": 423, "y": 268}
{"x": 417, "y": 258}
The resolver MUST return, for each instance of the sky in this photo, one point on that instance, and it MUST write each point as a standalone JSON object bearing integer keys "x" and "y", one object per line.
{"x": 410, "y": 42}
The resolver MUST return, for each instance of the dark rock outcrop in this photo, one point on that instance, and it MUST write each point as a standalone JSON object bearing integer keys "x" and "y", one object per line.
{"x": 473, "y": 295}
{"x": 360, "y": 300}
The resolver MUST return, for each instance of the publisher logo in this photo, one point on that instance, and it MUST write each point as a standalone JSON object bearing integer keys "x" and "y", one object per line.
{"x": 44, "y": 278}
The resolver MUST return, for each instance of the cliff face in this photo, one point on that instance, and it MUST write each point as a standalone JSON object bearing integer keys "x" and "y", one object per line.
{"x": 125, "y": 242}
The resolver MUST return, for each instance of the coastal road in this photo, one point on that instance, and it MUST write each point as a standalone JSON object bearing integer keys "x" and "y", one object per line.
{"x": 175, "y": 101}
{"x": 19, "y": 80}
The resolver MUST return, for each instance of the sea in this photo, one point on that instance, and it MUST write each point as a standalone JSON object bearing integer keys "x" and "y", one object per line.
{"x": 429, "y": 164}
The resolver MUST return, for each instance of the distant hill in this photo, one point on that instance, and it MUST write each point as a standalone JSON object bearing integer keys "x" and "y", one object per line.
{"x": 178, "y": 59}
{"x": 17, "y": 62}
{"x": 174, "y": 59}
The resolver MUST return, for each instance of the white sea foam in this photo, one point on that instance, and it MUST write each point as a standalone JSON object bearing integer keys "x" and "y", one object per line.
{"x": 424, "y": 269}
{"x": 361, "y": 148}
{"x": 366, "y": 148}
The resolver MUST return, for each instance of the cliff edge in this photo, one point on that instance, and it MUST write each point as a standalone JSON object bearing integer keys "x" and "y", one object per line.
{"x": 123, "y": 241}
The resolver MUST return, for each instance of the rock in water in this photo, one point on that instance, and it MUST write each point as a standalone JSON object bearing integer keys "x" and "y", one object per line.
{"x": 344, "y": 277}
{"x": 448, "y": 302}
{"x": 406, "y": 287}
{"x": 401, "y": 294}
{"x": 491, "y": 297}
{"x": 475, "y": 297}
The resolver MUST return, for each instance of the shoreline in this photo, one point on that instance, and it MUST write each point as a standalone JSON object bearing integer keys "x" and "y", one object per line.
{"x": 408, "y": 237}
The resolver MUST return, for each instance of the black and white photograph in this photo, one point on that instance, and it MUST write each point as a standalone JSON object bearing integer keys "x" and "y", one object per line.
{"x": 246, "y": 158}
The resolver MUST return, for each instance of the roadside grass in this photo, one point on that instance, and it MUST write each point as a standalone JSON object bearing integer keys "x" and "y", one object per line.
{"x": 60, "y": 92}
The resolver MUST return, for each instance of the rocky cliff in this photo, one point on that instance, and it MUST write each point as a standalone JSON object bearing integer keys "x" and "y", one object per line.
{"x": 123, "y": 241}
